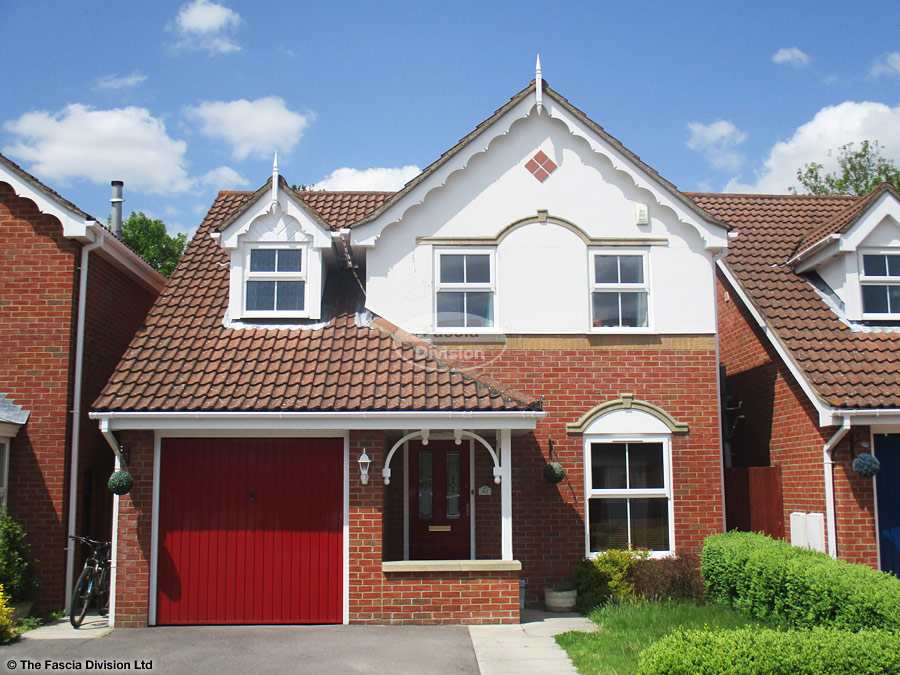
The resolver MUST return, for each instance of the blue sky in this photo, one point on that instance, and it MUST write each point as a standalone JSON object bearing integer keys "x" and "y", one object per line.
{"x": 181, "y": 99}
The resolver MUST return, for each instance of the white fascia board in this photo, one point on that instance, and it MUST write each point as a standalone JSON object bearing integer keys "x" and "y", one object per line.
{"x": 367, "y": 234}
{"x": 8, "y": 429}
{"x": 714, "y": 235}
{"x": 118, "y": 421}
{"x": 286, "y": 205}
{"x": 125, "y": 259}
{"x": 886, "y": 205}
{"x": 871, "y": 417}
{"x": 74, "y": 224}
{"x": 816, "y": 254}
{"x": 827, "y": 414}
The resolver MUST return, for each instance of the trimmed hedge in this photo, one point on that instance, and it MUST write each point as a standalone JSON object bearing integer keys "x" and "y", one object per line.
{"x": 797, "y": 587}
{"x": 755, "y": 651}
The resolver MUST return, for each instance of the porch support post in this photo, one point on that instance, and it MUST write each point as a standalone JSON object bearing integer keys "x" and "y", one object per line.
{"x": 506, "y": 494}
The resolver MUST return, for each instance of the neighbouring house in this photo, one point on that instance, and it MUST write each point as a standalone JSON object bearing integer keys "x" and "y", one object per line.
{"x": 72, "y": 298}
{"x": 343, "y": 406}
{"x": 809, "y": 321}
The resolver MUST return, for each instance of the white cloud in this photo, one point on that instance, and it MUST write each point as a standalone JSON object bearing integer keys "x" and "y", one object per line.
{"x": 889, "y": 64}
{"x": 114, "y": 82}
{"x": 206, "y": 26}
{"x": 386, "y": 179}
{"x": 256, "y": 128}
{"x": 717, "y": 142}
{"x": 792, "y": 56}
{"x": 223, "y": 178}
{"x": 101, "y": 145}
{"x": 832, "y": 127}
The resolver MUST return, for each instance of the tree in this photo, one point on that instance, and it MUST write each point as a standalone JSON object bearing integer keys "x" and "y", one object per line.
{"x": 859, "y": 172}
{"x": 148, "y": 238}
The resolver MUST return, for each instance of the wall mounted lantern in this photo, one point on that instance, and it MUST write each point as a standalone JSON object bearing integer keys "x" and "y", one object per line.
{"x": 364, "y": 462}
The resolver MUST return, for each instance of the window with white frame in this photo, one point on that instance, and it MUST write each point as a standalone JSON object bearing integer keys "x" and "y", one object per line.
{"x": 629, "y": 495}
{"x": 880, "y": 285}
{"x": 464, "y": 289}
{"x": 619, "y": 290}
{"x": 275, "y": 281}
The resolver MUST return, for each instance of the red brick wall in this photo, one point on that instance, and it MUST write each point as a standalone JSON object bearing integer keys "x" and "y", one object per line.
{"x": 781, "y": 425}
{"x": 37, "y": 333}
{"x": 132, "y": 605}
{"x": 38, "y": 321}
{"x": 574, "y": 374}
{"x": 116, "y": 307}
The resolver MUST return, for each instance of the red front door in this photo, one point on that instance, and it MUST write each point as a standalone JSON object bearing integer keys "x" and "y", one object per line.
{"x": 439, "y": 501}
{"x": 250, "y": 531}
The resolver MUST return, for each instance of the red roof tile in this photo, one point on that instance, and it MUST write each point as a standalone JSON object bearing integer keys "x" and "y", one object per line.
{"x": 848, "y": 368}
{"x": 185, "y": 359}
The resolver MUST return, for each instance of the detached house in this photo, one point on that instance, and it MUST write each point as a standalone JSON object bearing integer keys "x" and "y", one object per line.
{"x": 72, "y": 297}
{"x": 342, "y": 406}
{"x": 809, "y": 315}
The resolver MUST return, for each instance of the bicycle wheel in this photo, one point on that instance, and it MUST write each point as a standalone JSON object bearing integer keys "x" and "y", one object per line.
{"x": 81, "y": 596}
{"x": 103, "y": 592}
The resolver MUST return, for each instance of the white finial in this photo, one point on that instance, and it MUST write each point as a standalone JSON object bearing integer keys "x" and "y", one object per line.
{"x": 275, "y": 178}
{"x": 538, "y": 86}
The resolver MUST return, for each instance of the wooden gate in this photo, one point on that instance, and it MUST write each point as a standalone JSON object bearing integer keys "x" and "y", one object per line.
{"x": 753, "y": 500}
{"x": 250, "y": 531}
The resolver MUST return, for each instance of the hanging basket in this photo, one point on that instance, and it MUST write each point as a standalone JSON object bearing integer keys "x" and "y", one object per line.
{"x": 554, "y": 473}
{"x": 120, "y": 482}
{"x": 866, "y": 465}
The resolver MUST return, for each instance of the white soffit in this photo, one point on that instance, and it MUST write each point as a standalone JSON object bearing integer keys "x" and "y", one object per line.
{"x": 714, "y": 235}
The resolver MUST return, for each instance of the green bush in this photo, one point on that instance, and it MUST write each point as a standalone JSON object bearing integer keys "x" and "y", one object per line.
{"x": 757, "y": 651}
{"x": 676, "y": 577}
{"x": 603, "y": 579}
{"x": 7, "y": 625}
{"x": 797, "y": 587}
{"x": 16, "y": 563}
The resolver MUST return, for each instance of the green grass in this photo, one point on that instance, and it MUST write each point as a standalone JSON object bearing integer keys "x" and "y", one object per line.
{"x": 32, "y": 622}
{"x": 628, "y": 629}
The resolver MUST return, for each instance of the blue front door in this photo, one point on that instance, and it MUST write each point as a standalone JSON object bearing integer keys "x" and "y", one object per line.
{"x": 887, "y": 450}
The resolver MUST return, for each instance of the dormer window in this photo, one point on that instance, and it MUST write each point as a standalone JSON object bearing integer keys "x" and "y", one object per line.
{"x": 880, "y": 285}
{"x": 275, "y": 281}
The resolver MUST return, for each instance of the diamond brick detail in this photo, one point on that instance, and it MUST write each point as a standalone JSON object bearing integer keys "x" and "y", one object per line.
{"x": 540, "y": 166}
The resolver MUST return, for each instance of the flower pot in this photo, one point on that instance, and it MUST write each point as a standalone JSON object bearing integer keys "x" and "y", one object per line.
{"x": 22, "y": 610}
{"x": 559, "y": 601}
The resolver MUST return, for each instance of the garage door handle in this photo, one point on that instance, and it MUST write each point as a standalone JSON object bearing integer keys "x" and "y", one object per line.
{"x": 251, "y": 496}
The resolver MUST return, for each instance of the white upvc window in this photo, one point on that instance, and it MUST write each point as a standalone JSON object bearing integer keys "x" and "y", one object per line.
{"x": 879, "y": 281}
{"x": 275, "y": 281}
{"x": 465, "y": 289}
{"x": 629, "y": 494}
{"x": 620, "y": 289}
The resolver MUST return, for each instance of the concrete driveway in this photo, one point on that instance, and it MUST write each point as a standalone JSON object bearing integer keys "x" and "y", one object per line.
{"x": 253, "y": 649}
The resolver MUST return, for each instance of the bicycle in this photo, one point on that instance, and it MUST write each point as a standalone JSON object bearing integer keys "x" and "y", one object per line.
{"x": 93, "y": 583}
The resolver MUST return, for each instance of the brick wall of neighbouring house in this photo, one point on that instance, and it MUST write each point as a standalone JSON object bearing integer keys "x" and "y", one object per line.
{"x": 115, "y": 310}
{"x": 37, "y": 325}
{"x": 132, "y": 576}
{"x": 781, "y": 425}
{"x": 574, "y": 374}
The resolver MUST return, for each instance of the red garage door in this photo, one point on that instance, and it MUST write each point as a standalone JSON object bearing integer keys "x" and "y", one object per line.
{"x": 250, "y": 531}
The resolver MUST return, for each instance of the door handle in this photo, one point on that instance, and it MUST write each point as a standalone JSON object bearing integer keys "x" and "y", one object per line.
{"x": 251, "y": 495}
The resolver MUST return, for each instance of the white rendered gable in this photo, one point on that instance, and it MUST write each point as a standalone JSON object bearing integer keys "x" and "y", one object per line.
{"x": 485, "y": 197}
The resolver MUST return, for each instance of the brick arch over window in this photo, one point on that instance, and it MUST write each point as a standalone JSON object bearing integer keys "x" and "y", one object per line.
{"x": 626, "y": 402}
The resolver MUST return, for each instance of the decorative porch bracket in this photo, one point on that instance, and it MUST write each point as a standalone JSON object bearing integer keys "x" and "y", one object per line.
{"x": 424, "y": 434}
